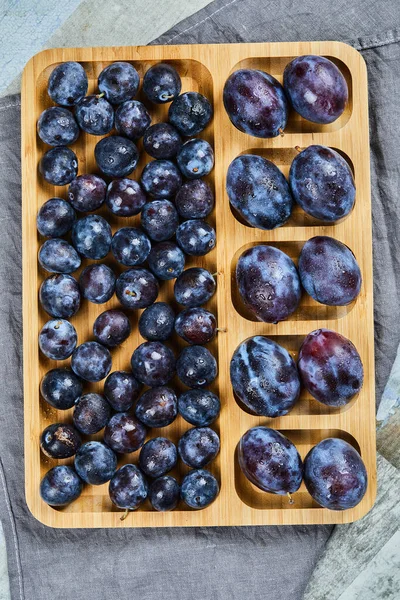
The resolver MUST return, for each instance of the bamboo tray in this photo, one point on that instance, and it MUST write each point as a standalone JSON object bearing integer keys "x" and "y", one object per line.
{"x": 205, "y": 69}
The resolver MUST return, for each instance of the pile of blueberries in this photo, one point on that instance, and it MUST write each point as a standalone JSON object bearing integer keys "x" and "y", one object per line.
{"x": 153, "y": 362}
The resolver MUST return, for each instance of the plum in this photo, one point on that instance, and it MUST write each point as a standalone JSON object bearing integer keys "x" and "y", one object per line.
{"x": 156, "y": 323}
{"x": 91, "y": 361}
{"x": 195, "y": 158}
{"x": 60, "y": 440}
{"x": 125, "y": 197}
{"x": 256, "y": 103}
{"x": 91, "y": 237}
{"x": 119, "y": 82}
{"x": 57, "y": 256}
{"x": 128, "y": 488}
{"x": 68, "y": 83}
{"x": 57, "y": 127}
{"x": 268, "y": 283}
{"x": 335, "y": 475}
{"x": 316, "y": 88}
{"x": 87, "y": 193}
{"x": 264, "y": 377}
{"x": 111, "y": 328}
{"x": 196, "y": 326}
{"x": 157, "y": 457}
{"x": 116, "y": 156}
{"x": 57, "y": 339}
{"x": 95, "y": 115}
{"x": 198, "y": 447}
{"x": 97, "y": 283}
{"x": 136, "y": 288}
{"x": 59, "y": 296}
{"x": 160, "y": 220}
{"x": 121, "y": 390}
{"x": 199, "y": 407}
{"x": 91, "y": 413}
{"x": 164, "y": 493}
{"x": 194, "y": 287}
{"x": 130, "y": 246}
{"x": 196, "y": 237}
{"x": 166, "y": 260}
{"x": 61, "y": 388}
{"x": 59, "y": 165}
{"x": 153, "y": 364}
{"x": 95, "y": 463}
{"x": 132, "y": 119}
{"x": 322, "y": 183}
{"x": 258, "y": 191}
{"x": 161, "y": 179}
{"x": 162, "y": 141}
{"x": 157, "y": 407}
{"x": 60, "y": 486}
{"x": 124, "y": 434}
{"x": 55, "y": 218}
{"x": 190, "y": 113}
{"x": 199, "y": 488}
{"x": 329, "y": 271}
{"x": 161, "y": 83}
{"x": 196, "y": 367}
{"x": 330, "y": 367}
{"x": 194, "y": 200}
{"x": 270, "y": 461}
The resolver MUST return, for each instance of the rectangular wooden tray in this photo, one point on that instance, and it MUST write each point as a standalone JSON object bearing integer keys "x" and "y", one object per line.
{"x": 205, "y": 69}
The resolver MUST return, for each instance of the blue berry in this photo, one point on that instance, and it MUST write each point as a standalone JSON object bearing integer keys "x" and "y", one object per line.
{"x": 60, "y": 486}
{"x": 60, "y": 440}
{"x": 194, "y": 287}
{"x": 124, "y": 434}
{"x": 121, "y": 390}
{"x": 157, "y": 407}
{"x": 190, "y": 113}
{"x": 111, "y": 328}
{"x": 68, "y": 83}
{"x": 57, "y": 339}
{"x": 91, "y": 413}
{"x": 199, "y": 488}
{"x": 132, "y": 119}
{"x": 196, "y": 367}
{"x": 55, "y": 218}
{"x": 91, "y": 361}
{"x": 128, "y": 488}
{"x": 199, "y": 407}
{"x": 153, "y": 364}
{"x": 119, "y": 82}
{"x": 87, "y": 193}
{"x": 125, "y": 197}
{"x": 164, "y": 493}
{"x": 57, "y": 256}
{"x": 166, "y": 260}
{"x": 161, "y": 83}
{"x": 57, "y": 127}
{"x": 136, "y": 288}
{"x": 195, "y": 237}
{"x": 91, "y": 237}
{"x": 59, "y": 296}
{"x": 160, "y": 220}
{"x": 59, "y": 165}
{"x": 95, "y": 463}
{"x": 116, "y": 156}
{"x": 157, "y": 457}
{"x": 162, "y": 141}
{"x": 194, "y": 200}
{"x": 97, "y": 283}
{"x": 94, "y": 115}
{"x": 61, "y": 388}
{"x": 195, "y": 159}
{"x": 130, "y": 246}
{"x": 156, "y": 323}
{"x": 161, "y": 179}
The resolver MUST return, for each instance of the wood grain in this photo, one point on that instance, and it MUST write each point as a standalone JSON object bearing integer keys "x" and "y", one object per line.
{"x": 205, "y": 68}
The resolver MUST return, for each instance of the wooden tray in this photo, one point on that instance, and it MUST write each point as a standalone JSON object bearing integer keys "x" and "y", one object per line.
{"x": 205, "y": 68}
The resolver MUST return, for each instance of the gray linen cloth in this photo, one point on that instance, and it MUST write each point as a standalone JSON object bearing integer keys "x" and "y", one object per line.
{"x": 199, "y": 563}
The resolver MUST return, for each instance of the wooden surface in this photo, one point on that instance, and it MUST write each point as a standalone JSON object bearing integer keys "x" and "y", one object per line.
{"x": 205, "y": 68}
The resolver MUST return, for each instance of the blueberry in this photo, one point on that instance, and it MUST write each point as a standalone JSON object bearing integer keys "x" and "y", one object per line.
{"x": 160, "y": 220}
{"x": 130, "y": 246}
{"x": 59, "y": 296}
{"x": 125, "y": 197}
{"x": 95, "y": 463}
{"x": 258, "y": 191}
{"x": 270, "y": 461}
{"x": 60, "y": 486}
{"x": 196, "y": 367}
{"x": 199, "y": 488}
{"x": 111, "y": 328}
{"x": 194, "y": 200}
{"x": 68, "y": 83}
{"x": 91, "y": 361}
{"x": 164, "y": 493}
{"x": 124, "y": 434}
{"x": 335, "y": 475}
{"x": 91, "y": 413}
{"x": 161, "y": 83}
{"x": 194, "y": 287}
{"x": 256, "y": 103}
{"x": 57, "y": 256}
{"x": 55, "y": 218}
{"x": 162, "y": 141}
{"x": 57, "y": 127}
{"x": 136, "y": 288}
{"x": 57, "y": 339}
{"x": 196, "y": 326}
{"x": 195, "y": 237}
{"x": 268, "y": 283}
{"x": 316, "y": 88}
{"x": 59, "y": 165}
{"x": 121, "y": 390}
{"x": 153, "y": 364}
{"x": 195, "y": 159}
{"x": 157, "y": 457}
{"x": 116, "y": 156}
{"x": 60, "y": 440}
{"x": 198, "y": 447}
{"x": 128, "y": 488}
{"x": 199, "y": 407}
{"x": 61, "y": 388}
{"x": 97, "y": 283}
{"x": 330, "y": 367}
{"x": 94, "y": 115}
{"x": 157, "y": 407}
{"x": 119, "y": 82}
{"x": 166, "y": 260}
{"x": 190, "y": 113}
{"x": 161, "y": 179}
{"x": 329, "y": 271}
{"x": 156, "y": 323}
{"x": 322, "y": 183}
{"x": 91, "y": 237}
{"x": 264, "y": 377}
{"x": 87, "y": 193}
{"x": 132, "y": 119}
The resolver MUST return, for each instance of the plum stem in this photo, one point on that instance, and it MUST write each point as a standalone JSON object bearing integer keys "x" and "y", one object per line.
{"x": 126, "y": 513}
{"x": 297, "y": 148}
{"x": 281, "y": 131}
{"x": 221, "y": 329}
{"x": 216, "y": 274}
{"x": 289, "y": 495}
{"x": 100, "y": 95}
{"x": 167, "y": 96}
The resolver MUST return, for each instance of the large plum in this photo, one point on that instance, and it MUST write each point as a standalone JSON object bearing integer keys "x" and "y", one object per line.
{"x": 256, "y": 103}
{"x": 268, "y": 283}
{"x": 330, "y": 367}
{"x": 322, "y": 183}
{"x": 264, "y": 377}
{"x": 335, "y": 475}
{"x": 258, "y": 191}
{"x": 329, "y": 271}
{"x": 270, "y": 461}
{"x": 316, "y": 88}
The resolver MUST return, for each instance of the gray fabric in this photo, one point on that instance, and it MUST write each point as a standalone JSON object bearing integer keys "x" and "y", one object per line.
{"x": 202, "y": 563}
